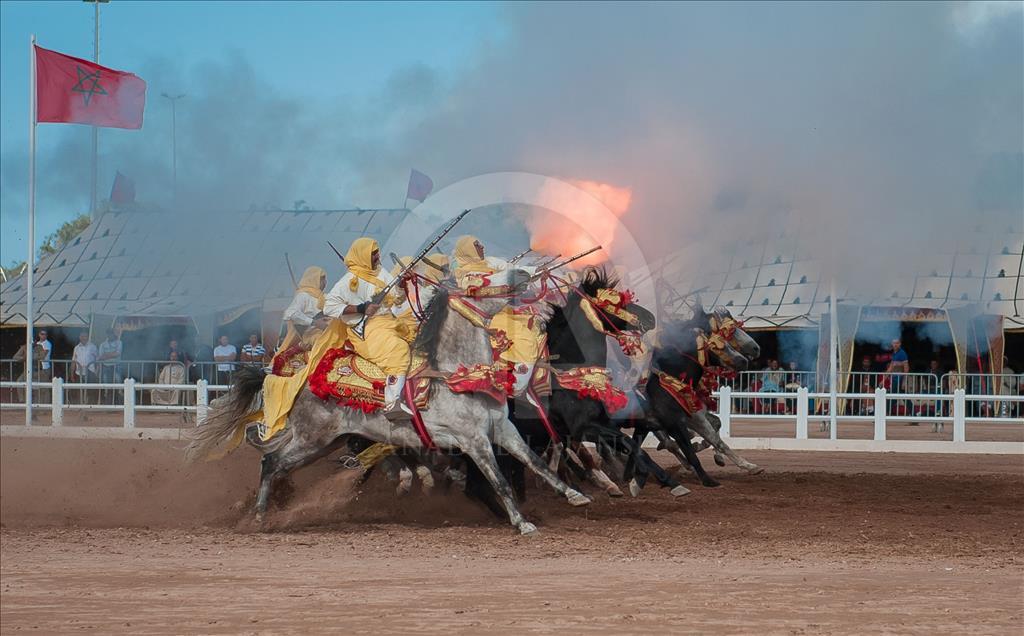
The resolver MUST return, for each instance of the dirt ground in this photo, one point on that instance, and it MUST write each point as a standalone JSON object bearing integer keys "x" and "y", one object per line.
{"x": 110, "y": 536}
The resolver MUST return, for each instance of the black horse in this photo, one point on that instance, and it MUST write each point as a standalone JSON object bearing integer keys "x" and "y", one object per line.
{"x": 683, "y": 351}
{"x": 574, "y": 342}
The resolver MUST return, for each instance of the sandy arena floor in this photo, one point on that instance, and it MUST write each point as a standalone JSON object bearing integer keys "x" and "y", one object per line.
{"x": 109, "y": 536}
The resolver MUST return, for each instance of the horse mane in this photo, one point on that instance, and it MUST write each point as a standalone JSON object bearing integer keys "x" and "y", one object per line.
{"x": 597, "y": 278}
{"x": 429, "y": 334}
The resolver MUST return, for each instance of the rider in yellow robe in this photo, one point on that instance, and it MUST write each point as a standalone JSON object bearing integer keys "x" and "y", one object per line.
{"x": 351, "y": 298}
{"x": 521, "y": 328}
{"x": 303, "y": 316}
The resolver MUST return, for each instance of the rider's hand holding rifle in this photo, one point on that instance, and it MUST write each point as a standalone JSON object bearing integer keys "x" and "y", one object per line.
{"x": 372, "y": 306}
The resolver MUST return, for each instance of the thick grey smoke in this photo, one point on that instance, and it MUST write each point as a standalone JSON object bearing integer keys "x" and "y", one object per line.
{"x": 868, "y": 127}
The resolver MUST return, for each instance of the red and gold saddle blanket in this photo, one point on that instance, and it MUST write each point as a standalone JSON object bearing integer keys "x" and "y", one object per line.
{"x": 355, "y": 382}
{"x": 594, "y": 383}
{"x": 689, "y": 397}
{"x": 493, "y": 380}
{"x": 290, "y": 361}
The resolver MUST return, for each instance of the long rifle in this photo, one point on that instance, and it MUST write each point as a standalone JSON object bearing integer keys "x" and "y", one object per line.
{"x": 547, "y": 270}
{"x": 515, "y": 259}
{"x": 549, "y": 261}
{"x": 360, "y": 327}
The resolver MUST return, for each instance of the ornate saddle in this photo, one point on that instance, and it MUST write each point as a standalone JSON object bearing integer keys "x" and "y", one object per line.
{"x": 353, "y": 381}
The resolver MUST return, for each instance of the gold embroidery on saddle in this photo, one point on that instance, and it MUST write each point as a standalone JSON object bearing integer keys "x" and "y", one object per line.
{"x": 594, "y": 383}
{"x": 683, "y": 392}
{"x": 355, "y": 382}
{"x": 290, "y": 361}
{"x": 494, "y": 381}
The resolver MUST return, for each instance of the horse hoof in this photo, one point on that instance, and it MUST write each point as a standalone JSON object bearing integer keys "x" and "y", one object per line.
{"x": 679, "y": 491}
{"x": 613, "y": 491}
{"x": 719, "y": 460}
{"x": 634, "y": 488}
{"x": 577, "y": 498}
{"x": 426, "y": 478}
{"x": 526, "y": 528}
{"x": 710, "y": 483}
{"x": 754, "y": 469}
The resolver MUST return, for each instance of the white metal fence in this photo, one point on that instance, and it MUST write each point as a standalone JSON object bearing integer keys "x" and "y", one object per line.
{"x": 136, "y": 397}
{"x": 958, "y": 408}
{"x": 814, "y": 406}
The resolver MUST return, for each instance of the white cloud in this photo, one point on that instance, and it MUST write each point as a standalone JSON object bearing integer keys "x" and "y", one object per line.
{"x": 974, "y": 17}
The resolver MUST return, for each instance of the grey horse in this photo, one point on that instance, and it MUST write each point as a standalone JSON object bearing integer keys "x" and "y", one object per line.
{"x": 465, "y": 422}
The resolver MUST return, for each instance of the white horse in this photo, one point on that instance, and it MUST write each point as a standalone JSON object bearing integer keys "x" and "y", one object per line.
{"x": 466, "y": 422}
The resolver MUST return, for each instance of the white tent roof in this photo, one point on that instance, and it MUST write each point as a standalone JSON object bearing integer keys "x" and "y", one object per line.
{"x": 141, "y": 264}
{"x": 773, "y": 283}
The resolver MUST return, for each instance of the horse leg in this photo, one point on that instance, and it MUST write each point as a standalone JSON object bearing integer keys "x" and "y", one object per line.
{"x": 556, "y": 456}
{"x": 593, "y": 470}
{"x": 700, "y": 425}
{"x": 671, "y": 446}
{"x": 426, "y": 478}
{"x": 507, "y": 437}
{"x": 640, "y": 465}
{"x": 682, "y": 437}
{"x": 717, "y": 424}
{"x": 282, "y": 462}
{"x": 479, "y": 451}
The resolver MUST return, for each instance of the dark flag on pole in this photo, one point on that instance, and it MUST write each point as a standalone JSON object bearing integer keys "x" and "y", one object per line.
{"x": 420, "y": 186}
{"x": 71, "y": 90}
{"x": 123, "y": 192}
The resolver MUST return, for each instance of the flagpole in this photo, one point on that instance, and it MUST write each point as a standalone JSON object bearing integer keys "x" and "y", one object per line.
{"x": 94, "y": 194}
{"x": 31, "y": 265}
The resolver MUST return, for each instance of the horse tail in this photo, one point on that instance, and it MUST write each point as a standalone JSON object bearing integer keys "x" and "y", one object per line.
{"x": 227, "y": 415}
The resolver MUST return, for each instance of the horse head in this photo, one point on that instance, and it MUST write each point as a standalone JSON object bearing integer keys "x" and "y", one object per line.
{"x": 700, "y": 334}
{"x": 723, "y": 323}
{"x": 617, "y": 308}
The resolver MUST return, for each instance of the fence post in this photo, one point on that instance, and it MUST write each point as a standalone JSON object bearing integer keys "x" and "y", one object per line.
{"x": 880, "y": 414}
{"x": 57, "y": 402}
{"x": 725, "y": 410}
{"x": 129, "y": 403}
{"x": 202, "y": 401}
{"x": 959, "y": 416}
{"x": 801, "y": 413}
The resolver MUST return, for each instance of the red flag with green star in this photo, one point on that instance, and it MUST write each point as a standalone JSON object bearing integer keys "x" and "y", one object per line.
{"x": 71, "y": 90}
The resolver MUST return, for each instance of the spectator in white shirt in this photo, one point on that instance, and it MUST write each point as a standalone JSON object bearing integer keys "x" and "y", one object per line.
{"x": 84, "y": 359}
{"x": 47, "y": 372}
{"x": 225, "y": 354}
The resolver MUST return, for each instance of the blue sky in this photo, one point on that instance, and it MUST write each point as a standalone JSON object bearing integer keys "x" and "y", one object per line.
{"x": 305, "y": 48}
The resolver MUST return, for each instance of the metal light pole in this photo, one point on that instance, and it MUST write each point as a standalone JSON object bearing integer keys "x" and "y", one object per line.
{"x": 95, "y": 131}
{"x": 833, "y": 360}
{"x": 174, "y": 140}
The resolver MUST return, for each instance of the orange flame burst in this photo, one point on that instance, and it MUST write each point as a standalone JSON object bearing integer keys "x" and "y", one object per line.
{"x": 572, "y": 223}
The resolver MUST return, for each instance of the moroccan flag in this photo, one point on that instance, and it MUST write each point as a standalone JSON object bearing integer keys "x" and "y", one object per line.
{"x": 71, "y": 90}
{"x": 420, "y": 186}
{"x": 123, "y": 192}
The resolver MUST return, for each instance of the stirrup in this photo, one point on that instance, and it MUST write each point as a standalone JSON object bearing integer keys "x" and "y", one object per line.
{"x": 398, "y": 412}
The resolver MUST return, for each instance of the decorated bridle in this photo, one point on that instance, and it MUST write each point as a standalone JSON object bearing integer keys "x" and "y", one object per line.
{"x": 722, "y": 336}
{"x": 726, "y": 327}
{"x": 611, "y": 302}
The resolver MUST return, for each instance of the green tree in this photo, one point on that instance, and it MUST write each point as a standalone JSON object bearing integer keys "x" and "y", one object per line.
{"x": 64, "y": 235}
{"x": 51, "y": 245}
